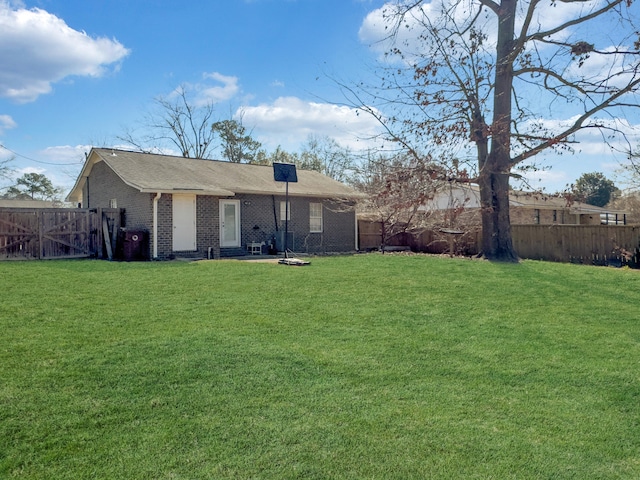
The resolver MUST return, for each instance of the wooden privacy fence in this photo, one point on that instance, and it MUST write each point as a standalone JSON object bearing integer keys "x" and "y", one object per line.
{"x": 427, "y": 241}
{"x": 45, "y": 233}
{"x": 369, "y": 234}
{"x": 576, "y": 243}
{"x": 599, "y": 244}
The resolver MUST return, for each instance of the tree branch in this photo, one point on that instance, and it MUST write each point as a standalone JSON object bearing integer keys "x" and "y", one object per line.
{"x": 577, "y": 125}
{"x": 575, "y": 21}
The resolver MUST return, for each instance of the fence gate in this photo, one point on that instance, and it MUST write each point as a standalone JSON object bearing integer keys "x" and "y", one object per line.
{"x": 55, "y": 232}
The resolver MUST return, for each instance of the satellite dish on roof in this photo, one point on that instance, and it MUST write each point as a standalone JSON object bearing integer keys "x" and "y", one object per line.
{"x": 285, "y": 172}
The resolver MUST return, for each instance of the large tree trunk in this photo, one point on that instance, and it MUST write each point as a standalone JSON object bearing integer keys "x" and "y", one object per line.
{"x": 494, "y": 171}
{"x": 496, "y": 227}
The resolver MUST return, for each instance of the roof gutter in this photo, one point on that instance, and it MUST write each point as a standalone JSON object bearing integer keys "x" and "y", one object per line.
{"x": 187, "y": 191}
{"x": 155, "y": 225}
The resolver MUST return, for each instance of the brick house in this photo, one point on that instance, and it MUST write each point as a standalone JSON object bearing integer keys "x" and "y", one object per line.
{"x": 525, "y": 208}
{"x": 210, "y": 209}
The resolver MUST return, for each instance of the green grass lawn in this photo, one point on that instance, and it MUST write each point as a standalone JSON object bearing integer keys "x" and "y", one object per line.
{"x": 354, "y": 367}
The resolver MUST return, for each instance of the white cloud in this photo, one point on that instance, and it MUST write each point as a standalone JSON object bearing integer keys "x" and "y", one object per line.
{"x": 65, "y": 154}
{"x": 562, "y": 171}
{"x": 38, "y": 49}
{"x": 5, "y": 154}
{"x": 617, "y": 69}
{"x": 228, "y": 89}
{"x": 606, "y": 137}
{"x": 215, "y": 88}
{"x": 6, "y": 123}
{"x": 61, "y": 164}
{"x": 380, "y": 23}
{"x": 380, "y": 28}
{"x": 21, "y": 171}
{"x": 554, "y": 180}
{"x": 288, "y": 121}
{"x": 594, "y": 150}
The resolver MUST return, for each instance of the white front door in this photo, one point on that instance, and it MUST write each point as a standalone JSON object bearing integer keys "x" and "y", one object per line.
{"x": 184, "y": 223}
{"x": 229, "y": 223}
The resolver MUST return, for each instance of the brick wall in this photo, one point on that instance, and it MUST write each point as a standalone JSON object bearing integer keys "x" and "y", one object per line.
{"x": 208, "y": 223}
{"x": 261, "y": 221}
{"x": 258, "y": 224}
{"x": 531, "y": 216}
{"x": 165, "y": 227}
{"x": 592, "y": 219}
{"x": 257, "y": 220}
{"x": 104, "y": 186}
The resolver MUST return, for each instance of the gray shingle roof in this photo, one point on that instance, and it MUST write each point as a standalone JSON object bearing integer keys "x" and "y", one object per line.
{"x": 168, "y": 174}
{"x": 11, "y": 203}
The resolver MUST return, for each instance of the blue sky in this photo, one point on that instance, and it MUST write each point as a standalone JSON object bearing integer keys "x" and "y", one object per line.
{"x": 78, "y": 73}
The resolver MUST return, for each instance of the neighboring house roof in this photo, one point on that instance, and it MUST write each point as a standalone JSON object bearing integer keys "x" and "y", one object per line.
{"x": 552, "y": 202}
{"x": 469, "y": 197}
{"x": 10, "y": 203}
{"x": 169, "y": 174}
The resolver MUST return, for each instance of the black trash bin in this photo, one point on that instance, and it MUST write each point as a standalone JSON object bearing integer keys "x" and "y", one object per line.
{"x": 134, "y": 245}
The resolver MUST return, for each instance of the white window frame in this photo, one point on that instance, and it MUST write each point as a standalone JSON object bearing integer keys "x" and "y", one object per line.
{"x": 283, "y": 211}
{"x": 315, "y": 217}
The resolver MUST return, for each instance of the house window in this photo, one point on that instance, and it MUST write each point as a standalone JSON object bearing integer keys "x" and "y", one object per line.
{"x": 315, "y": 217}
{"x": 555, "y": 216}
{"x": 284, "y": 212}
{"x": 536, "y": 216}
{"x": 113, "y": 203}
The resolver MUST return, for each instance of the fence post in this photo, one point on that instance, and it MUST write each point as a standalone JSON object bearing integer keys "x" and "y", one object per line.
{"x": 87, "y": 226}
{"x": 99, "y": 236}
{"x": 40, "y": 235}
{"x": 115, "y": 224}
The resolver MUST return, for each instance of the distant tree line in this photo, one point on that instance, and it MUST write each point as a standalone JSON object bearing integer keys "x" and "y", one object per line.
{"x": 33, "y": 186}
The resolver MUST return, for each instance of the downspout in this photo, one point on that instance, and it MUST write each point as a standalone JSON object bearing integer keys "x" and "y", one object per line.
{"x": 275, "y": 216}
{"x": 155, "y": 225}
{"x": 355, "y": 214}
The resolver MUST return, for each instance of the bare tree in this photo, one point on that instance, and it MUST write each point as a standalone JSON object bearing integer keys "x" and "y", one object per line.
{"x": 176, "y": 122}
{"x": 5, "y": 168}
{"x": 279, "y": 155}
{"x": 475, "y": 78}
{"x": 325, "y": 155}
{"x": 630, "y": 171}
{"x": 396, "y": 187}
